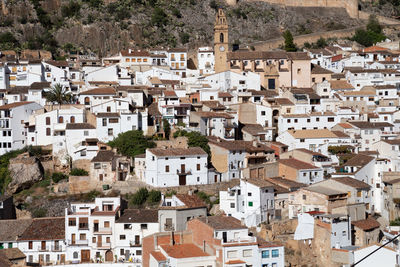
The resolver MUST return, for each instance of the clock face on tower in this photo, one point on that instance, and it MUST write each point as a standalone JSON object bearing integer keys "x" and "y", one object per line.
{"x": 222, "y": 48}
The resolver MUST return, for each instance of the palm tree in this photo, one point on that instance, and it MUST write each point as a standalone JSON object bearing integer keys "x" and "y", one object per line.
{"x": 58, "y": 94}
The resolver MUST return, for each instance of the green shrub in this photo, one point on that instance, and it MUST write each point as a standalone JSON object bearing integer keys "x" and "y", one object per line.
{"x": 78, "y": 172}
{"x": 39, "y": 212}
{"x": 72, "y": 9}
{"x": 58, "y": 176}
{"x": 44, "y": 183}
{"x": 140, "y": 197}
{"x": 154, "y": 196}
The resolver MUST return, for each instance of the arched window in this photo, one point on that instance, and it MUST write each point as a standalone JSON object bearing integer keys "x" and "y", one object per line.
{"x": 61, "y": 119}
{"x": 75, "y": 255}
{"x": 221, "y": 37}
{"x": 72, "y": 120}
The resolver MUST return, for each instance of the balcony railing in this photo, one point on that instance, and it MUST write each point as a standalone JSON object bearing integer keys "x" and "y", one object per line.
{"x": 104, "y": 246}
{"x": 132, "y": 243}
{"x": 78, "y": 242}
{"x": 250, "y": 239}
{"x": 45, "y": 248}
{"x": 183, "y": 172}
{"x": 103, "y": 231}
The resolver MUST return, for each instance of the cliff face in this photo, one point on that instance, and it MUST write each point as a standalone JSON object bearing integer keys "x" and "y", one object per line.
{"x": 105, "y": 27}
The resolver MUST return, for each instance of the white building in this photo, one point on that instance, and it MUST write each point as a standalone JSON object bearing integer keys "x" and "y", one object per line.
{"x": 252, "y": 201}
{"x": 176, "y": 166}
{"x": 206, "y": 60}
{"x": 12, "y": 124}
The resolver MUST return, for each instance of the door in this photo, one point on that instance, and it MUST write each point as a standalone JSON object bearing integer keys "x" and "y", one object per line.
{"x": 109, "y": 256}
{"x": 73, "y": 239}
{"x": 62, "y": 259}
{"x": 85, "y": 255}
{"x": 99, "y": 241}
{"x": 182, "y": 179}
{"x": 101, "y": 177}
{"x": 224, "y": 237}
{"x": 43, "y": 245}
{"x": 215, "y": 178}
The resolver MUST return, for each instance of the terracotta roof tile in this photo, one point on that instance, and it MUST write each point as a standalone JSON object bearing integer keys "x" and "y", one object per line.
{"x": 10, "y": 230}
{"x": 180, "y": 251}
{"x": 191, "y": 151}
{"x": 14, "y": 105}
{"x": 367, "y": 224}
{"x": 13, "y": 253}
{"x": 191, "y": 201}
{"x": 222, "y": 222}
{"x": 45, "y": 229}
{"x": 297, "y": 164}
{"x": 100, "y": 91}
{"x": 352, "y": 182}
{"x": 104, "y": 156}
{"x": 340, "y": 85}
{"x": 359, "y": 160}
{"x": 158, "y": 256}
{"x": 139, "y": 216}
{"x": 79, "y": 126}
{"x": 210, "y": 114}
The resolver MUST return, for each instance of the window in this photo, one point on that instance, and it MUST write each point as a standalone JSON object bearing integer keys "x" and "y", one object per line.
{"x": 343, "y": 233}
{"x": 106, "y": 224}
{"x": 302, "y": 140}
{"x": 30, "y": 245}
{"x": 250, "y": 203}
{"x": 97, "y": 165}
{"x": 122, "y": 237}
{"x": 232, "y": 205}
{"x": 247, "y": 253}
{"x": 75, "y": 255}
{"x": 166, "y": 168}
{"x": 358, "y": 193}
{"x": 143, "y": 226}
{"x": 48, "y": 131}
{"x": 108, "y": 239}
{"x": 47, "y": 120}
{"x": 122, "y": 252}
{"x": 232, "y": 254}
{"x": 275, "y": 253}
{"x": 249, "y": 194}
{"x": 198, "y": 167}
{"x": 85, "y": 133}
{"x": 61, "y": 119}
{"x": 331, "y": 119}
{"x": 265, "y": 254}
{"x": 71, "y": 222}
{"x": 104, "y": 122}
{"x": 94, "y": 239}
{"x": 82, "y": 237}
{"x": 110, "y": 131}
{"x": 304, "y": 197}
{"x": 138, "y": 252}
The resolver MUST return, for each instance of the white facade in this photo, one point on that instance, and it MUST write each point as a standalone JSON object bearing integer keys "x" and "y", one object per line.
{"x": 174, "y": 167}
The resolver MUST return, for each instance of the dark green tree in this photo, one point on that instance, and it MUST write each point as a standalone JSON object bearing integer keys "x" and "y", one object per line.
{"x": 140, "y": 197}
{"x": 195, "y": 139}
{"x": 289, "y": 44}
{"x": 132, "y": 143}
{"x": 159, "y": 18}
{"x": 166, "y": 128}
{"x": 58, "y": 94}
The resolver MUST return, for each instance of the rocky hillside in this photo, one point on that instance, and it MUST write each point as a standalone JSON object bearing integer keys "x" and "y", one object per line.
{"x": 105, "y": 27}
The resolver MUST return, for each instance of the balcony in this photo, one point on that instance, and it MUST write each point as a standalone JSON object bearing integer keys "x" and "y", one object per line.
{"x": 249, "y": 239}
{"x": 104, "y": 246}
{"x": 132, "y": 243}
{"x": 184, "y": 172}
{"x": 45, "y": 248}
{"x": 103, "y": 231}
{"x": 78, "y": 242}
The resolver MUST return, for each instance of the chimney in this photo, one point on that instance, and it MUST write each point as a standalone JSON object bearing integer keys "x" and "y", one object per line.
{"x": 190, "y": 193}
{"x": 204, "y": 246}
{"x": 130, "y": 51}
{"x": 155, "y": 242}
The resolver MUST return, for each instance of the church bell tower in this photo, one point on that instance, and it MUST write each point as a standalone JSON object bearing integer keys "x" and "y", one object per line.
{"x": 221, "y": 42}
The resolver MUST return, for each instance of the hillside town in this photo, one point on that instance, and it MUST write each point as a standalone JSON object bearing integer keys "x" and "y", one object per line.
{"x": 226, "y": 156}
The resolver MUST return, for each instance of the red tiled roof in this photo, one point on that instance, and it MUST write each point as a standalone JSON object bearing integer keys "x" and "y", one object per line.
{"x": 297, "y": 164}
{"x": 367, "y": 224}
{"x": 337, "y": 58}
{"x": 183, "y": 251}
{"x": 191, "y": 201}
{"x": 345, "y": 125}
{"x": 100, "y": 91}
{"x": 170, "y": 93}
{"x": 14, "y": 105}
{"x": 158, "y": 256}
{"x": 52, "y": 228}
